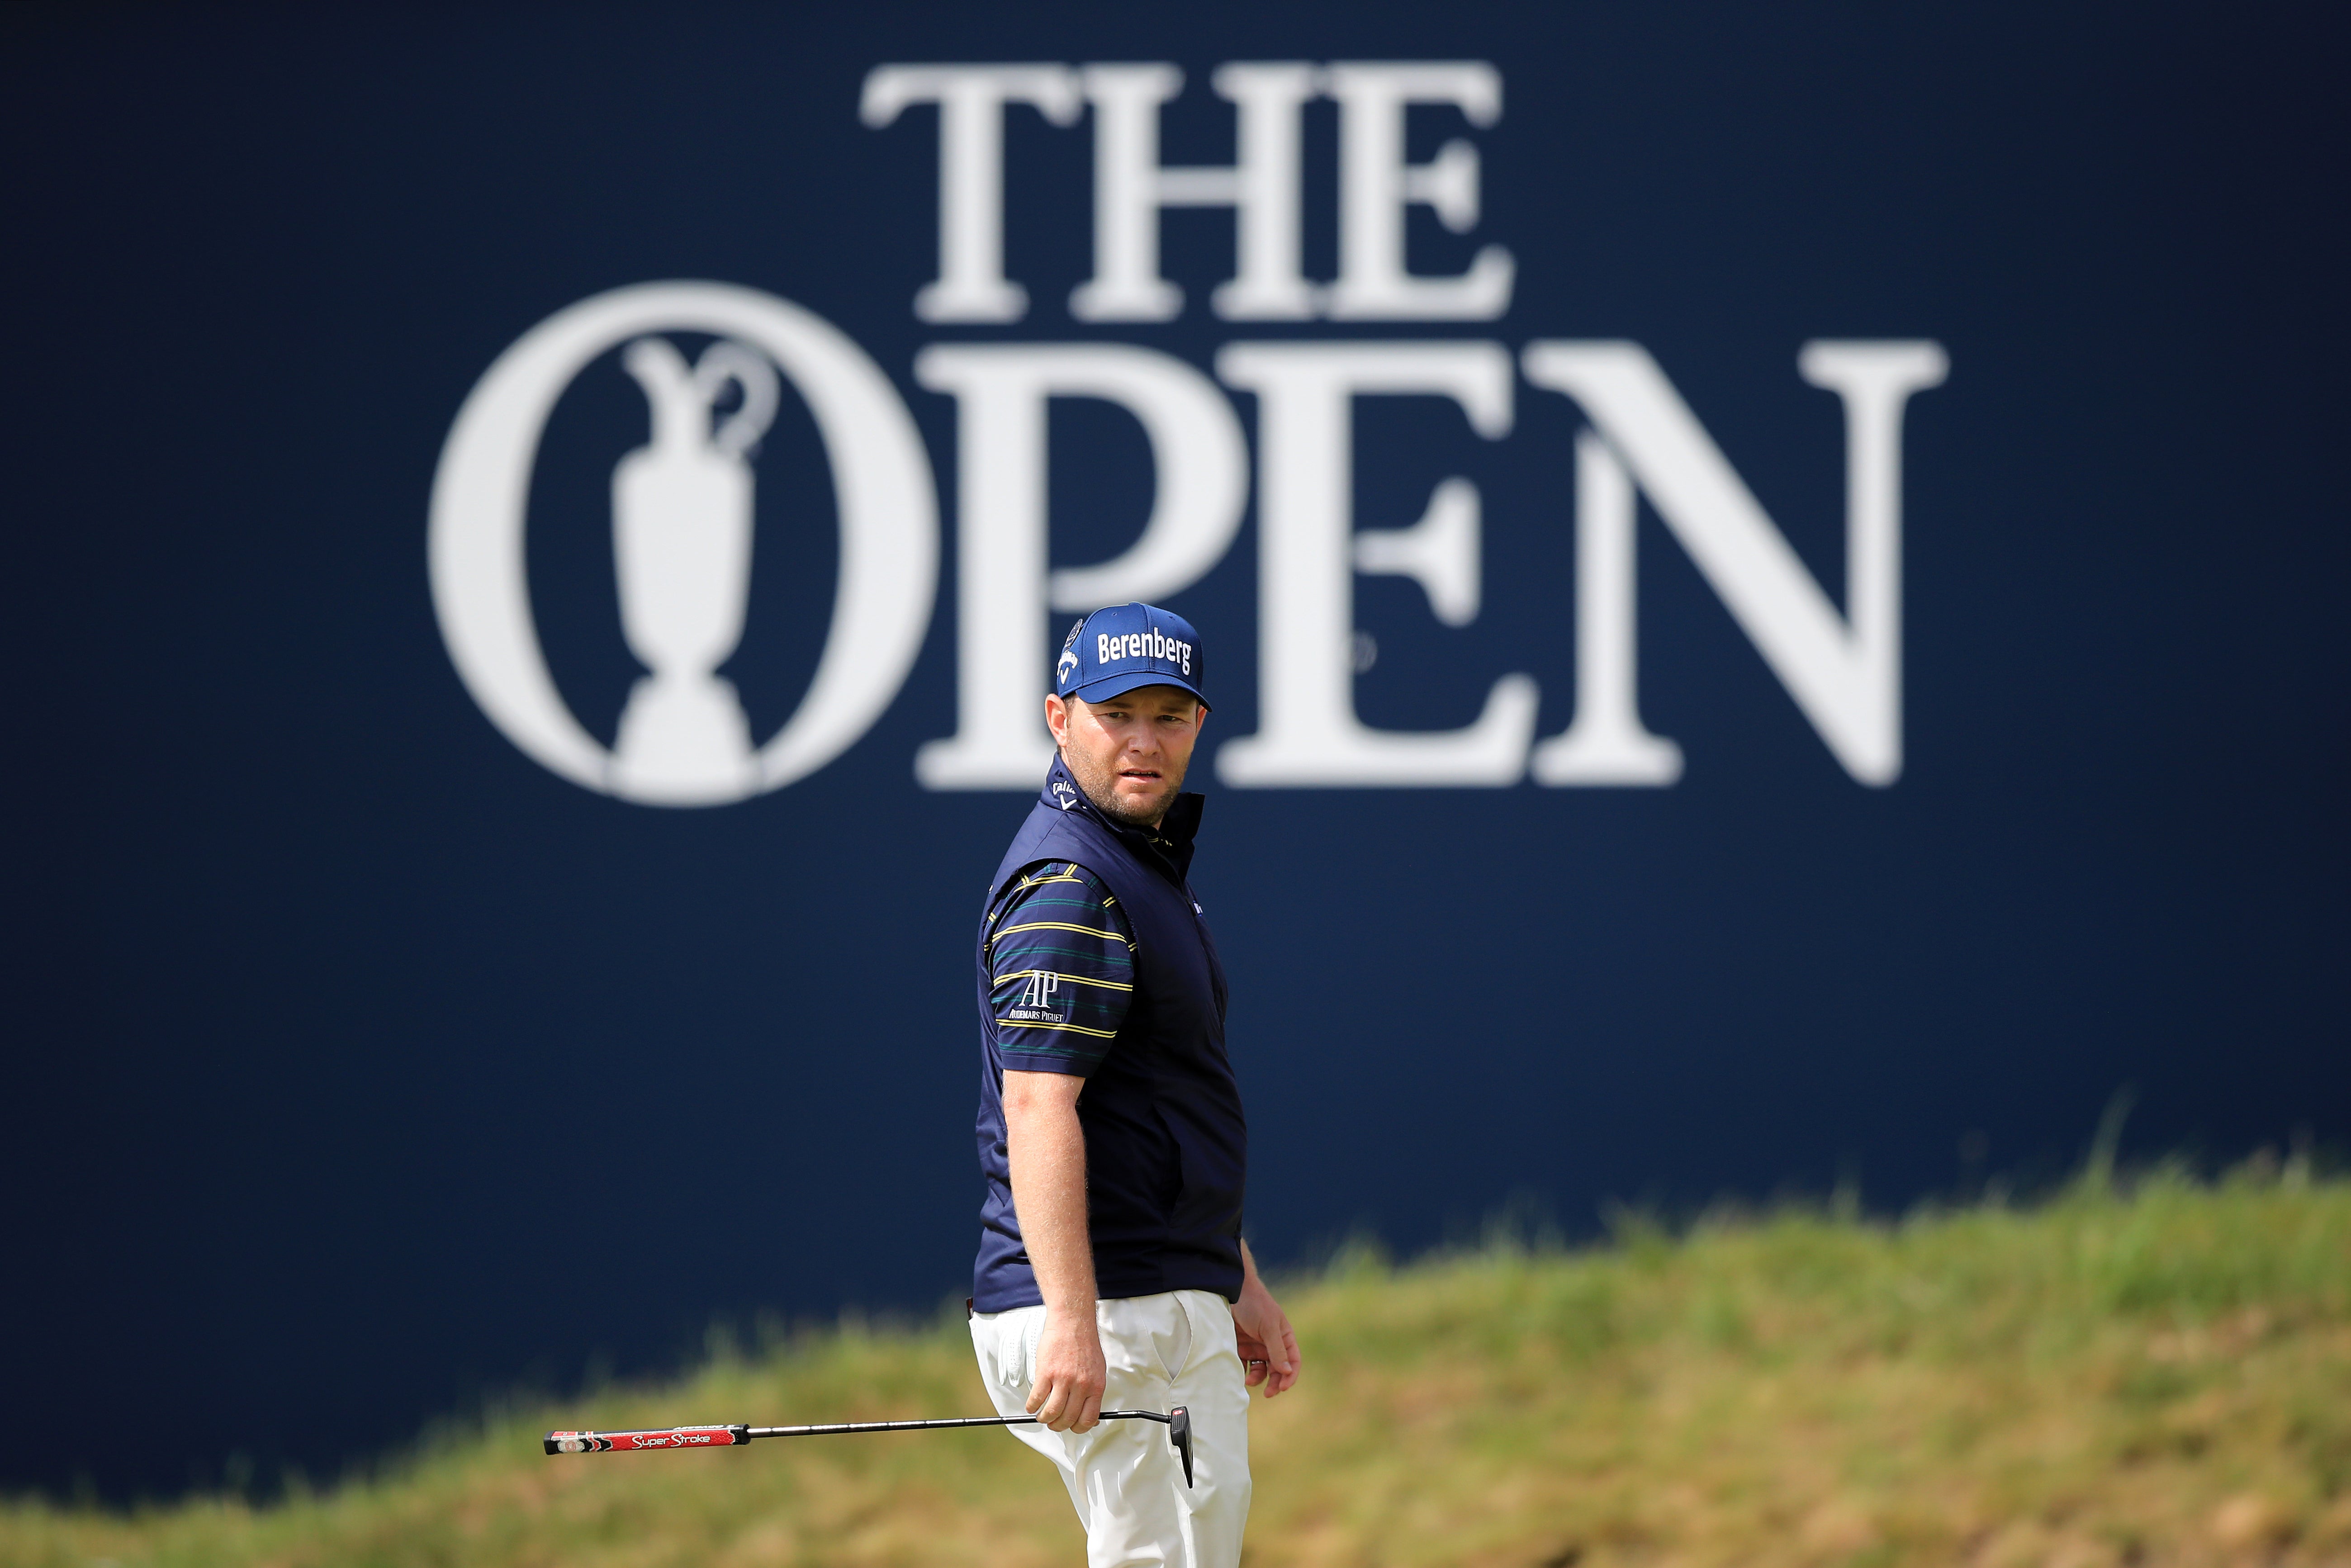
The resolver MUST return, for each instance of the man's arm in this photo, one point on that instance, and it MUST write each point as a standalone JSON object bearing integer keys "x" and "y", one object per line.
{"x": 1047, "y": 1148}
{"x": 1268, "y": 1349}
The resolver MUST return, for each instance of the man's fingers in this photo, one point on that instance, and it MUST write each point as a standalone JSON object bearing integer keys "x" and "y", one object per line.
{"x": 1283, "y": 1373}
{"x": 1066, "y": 1404}
{"x": 1051, "y": 1409}
{"x": 1253, "y": 1357}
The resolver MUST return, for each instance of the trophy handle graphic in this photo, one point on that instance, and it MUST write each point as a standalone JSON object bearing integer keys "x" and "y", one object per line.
{"x": 754, "y": 377}
{"x": 681, "y": 547}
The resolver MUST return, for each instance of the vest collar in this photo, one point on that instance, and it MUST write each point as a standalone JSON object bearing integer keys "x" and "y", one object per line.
{"x": 1167, "y": 847}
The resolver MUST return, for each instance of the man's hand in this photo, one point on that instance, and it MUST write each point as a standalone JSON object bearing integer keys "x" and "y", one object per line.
{"x": 1261, "y": 1332}
{"x": 1047, "y": 1149}
{"x": 1068, "y": 1375}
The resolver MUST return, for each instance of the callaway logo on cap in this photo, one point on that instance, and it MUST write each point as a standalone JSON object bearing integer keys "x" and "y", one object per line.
{"x": 1126, "y": 646}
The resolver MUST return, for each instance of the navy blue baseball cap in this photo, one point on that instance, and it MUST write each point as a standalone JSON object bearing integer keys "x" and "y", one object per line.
{"x": 1126, "y": 646}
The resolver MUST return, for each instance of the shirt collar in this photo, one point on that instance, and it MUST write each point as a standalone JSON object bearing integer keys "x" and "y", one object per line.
{"x": 1169, "y": 843}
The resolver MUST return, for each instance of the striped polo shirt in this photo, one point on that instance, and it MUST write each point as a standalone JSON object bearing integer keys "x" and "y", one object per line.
{"x": 1062, "y": 959}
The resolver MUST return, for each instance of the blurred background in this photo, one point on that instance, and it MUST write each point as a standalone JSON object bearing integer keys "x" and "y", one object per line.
{"x": 378, "y": 1042}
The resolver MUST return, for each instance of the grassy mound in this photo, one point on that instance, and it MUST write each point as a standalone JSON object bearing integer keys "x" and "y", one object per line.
{"x": 2159, "y": 1376}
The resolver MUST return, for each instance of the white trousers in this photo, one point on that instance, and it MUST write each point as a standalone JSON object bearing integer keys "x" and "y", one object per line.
{"x": 1124, "y": 1478}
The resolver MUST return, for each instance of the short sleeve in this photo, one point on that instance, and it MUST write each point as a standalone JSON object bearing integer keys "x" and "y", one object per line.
{"x": 1061, "y": 971}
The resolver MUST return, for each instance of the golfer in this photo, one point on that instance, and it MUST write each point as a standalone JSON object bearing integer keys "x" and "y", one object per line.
{"x": 1112, "y": 1271}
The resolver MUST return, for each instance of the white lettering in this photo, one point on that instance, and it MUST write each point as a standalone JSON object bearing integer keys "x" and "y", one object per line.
{"x": 1003, "y": 592}
{"x": 1845, "y": 672}
{"x": 1131, "y": 187}
{"x": 1309, "y": 734}
{"x": 1439, "y": 552}
{"x": 1376, "y": 186}
{"x": 1606, "y": 744}
{"x": 971, "y": 285}
{"x": 1101, "y": 647}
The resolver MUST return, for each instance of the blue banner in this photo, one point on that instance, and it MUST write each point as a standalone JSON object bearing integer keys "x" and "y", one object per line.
{"x": 1770, "y": 585}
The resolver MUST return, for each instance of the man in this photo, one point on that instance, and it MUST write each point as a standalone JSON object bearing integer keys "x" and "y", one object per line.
{"x": 1112, "y": 1273}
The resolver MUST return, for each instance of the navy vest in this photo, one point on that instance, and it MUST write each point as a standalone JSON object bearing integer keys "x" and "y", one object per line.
{"x": 1167, "y": 1149}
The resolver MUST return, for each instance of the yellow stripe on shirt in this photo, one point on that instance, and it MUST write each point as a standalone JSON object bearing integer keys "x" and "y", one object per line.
{"x": 1072, "y": 1028}
{"x": 1061, "y": 925}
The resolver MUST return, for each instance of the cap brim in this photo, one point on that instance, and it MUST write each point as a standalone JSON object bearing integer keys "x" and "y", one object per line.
{"x": 1104, "y": 687}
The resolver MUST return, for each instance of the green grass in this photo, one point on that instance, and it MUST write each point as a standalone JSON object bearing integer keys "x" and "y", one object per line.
{"x": 2154, "y": 1376}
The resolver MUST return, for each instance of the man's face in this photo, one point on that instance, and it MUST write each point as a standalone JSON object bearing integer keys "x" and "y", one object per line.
{"x": 1128, "y": 752}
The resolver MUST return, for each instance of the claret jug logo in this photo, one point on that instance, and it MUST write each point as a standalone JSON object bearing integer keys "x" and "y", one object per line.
{"x": 682, "y": 502}
{"x": 682, "y": 540}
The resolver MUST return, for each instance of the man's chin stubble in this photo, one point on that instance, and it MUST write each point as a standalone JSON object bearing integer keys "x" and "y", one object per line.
{"x": 1118, "y": 811}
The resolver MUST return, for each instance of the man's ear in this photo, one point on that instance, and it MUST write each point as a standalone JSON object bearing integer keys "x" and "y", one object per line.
{"x": 1057, "y": 717}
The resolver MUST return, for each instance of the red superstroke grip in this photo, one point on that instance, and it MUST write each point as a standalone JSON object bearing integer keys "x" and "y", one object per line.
{"x": 637, "y": 1442}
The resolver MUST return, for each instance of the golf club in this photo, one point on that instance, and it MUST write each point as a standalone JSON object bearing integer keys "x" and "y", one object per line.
{"x": 1177, "y": 1421}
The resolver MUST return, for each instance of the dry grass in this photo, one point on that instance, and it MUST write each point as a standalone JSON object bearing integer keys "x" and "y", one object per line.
{"x": 2162, "y": 1377}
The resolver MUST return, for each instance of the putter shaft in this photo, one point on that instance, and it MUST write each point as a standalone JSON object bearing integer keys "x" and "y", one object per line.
{"x": 839, "y": 1428}
{"x": 1177, "y": 1421}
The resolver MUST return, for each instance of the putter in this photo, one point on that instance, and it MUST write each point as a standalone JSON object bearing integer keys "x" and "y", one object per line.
{"x": 1177, "y": 1421}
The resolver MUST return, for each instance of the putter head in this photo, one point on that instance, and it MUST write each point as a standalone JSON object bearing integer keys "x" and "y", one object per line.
{"x": 1179, "y": 1433}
